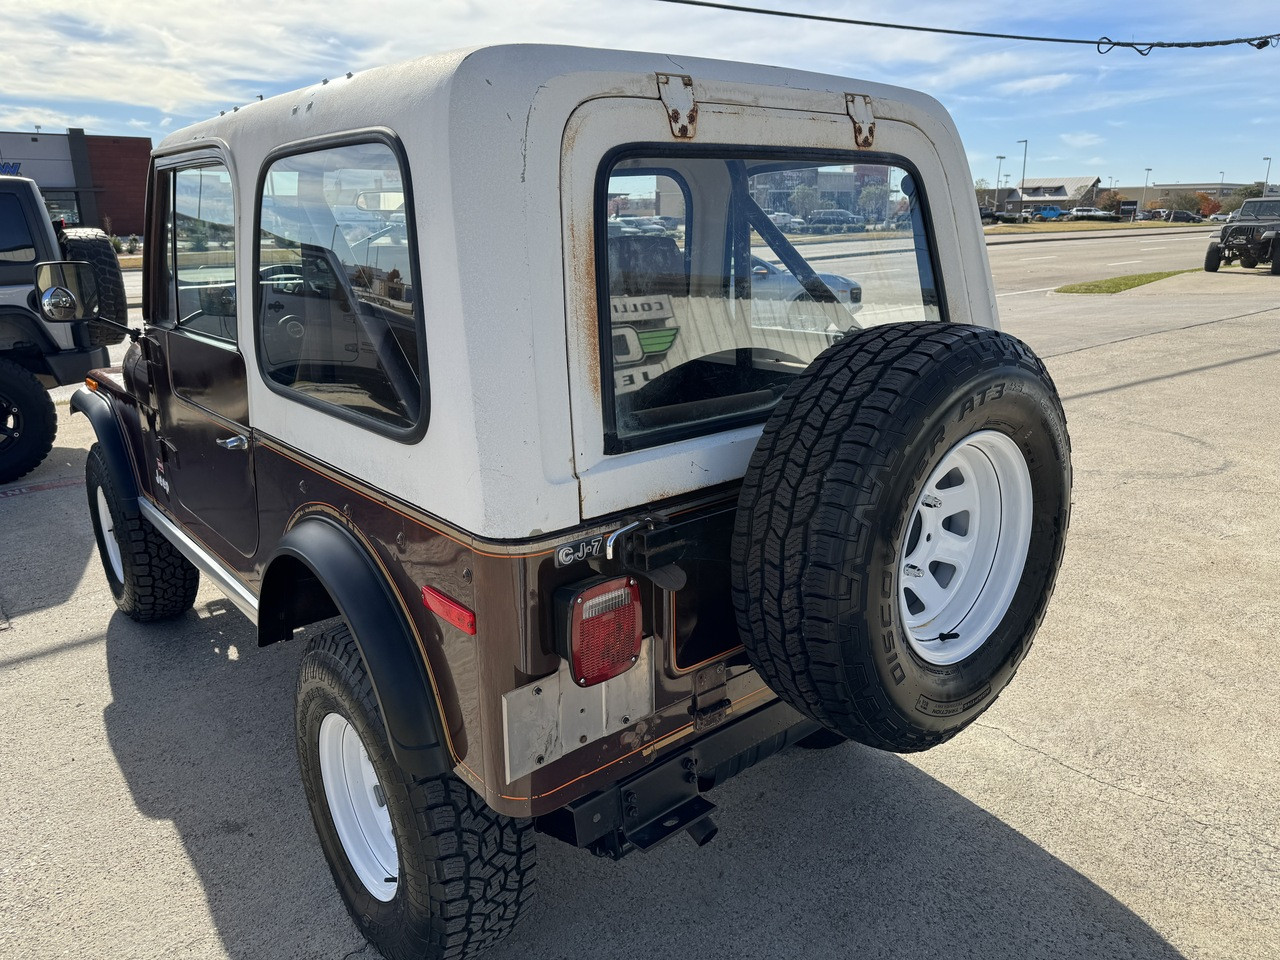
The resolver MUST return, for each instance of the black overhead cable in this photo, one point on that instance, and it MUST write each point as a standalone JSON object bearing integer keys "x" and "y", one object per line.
{"x": 1103, "y": 44}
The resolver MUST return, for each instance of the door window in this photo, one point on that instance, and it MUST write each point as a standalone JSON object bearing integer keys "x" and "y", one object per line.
{"x": 200, "y": 250}
{"x": 16, "y": 245}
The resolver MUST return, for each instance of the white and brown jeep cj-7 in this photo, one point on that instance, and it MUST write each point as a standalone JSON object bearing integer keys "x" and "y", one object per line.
{"x": 601, "y": 510}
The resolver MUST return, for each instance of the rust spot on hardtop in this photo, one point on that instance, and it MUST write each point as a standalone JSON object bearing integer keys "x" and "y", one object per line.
{"x": 676, "y": 92}
{"x": 581, "y": 302}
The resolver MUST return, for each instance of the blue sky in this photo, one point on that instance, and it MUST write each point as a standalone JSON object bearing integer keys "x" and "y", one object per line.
{"x": 146, "y": 67}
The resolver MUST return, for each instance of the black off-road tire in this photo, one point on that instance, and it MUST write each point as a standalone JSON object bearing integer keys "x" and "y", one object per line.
{"x": 1248, "y": 261}
{"x": 84, "y": 243}
{"x": 465, "y": 872}
{"x": 1275, "y": 260}
{"x": 825, "y": 516}
{"x": 28, "y": 422}
{"x": 149, "y": 579}
{"x": 1213, "y": 257}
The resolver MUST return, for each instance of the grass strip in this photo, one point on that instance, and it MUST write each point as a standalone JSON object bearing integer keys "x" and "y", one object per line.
{"x": 1119, "y": 284}
{"x": 1063, "y": 226}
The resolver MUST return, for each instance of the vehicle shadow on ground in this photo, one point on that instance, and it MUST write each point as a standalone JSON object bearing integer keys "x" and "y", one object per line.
{"x": 821, "y": 854}
{"x": 45, "y": 507}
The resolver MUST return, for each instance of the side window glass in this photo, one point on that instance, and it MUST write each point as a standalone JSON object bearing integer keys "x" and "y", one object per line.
{"x": 16, "y": 245}
{"x": 200, "y": 251}
{"x": 337, "y": 317}
{"x": 711, "y": 318}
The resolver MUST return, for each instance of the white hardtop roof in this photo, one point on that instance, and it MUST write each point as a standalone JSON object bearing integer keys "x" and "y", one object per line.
{"x": 490, "y": 144}
{"x": 515, "y": 72}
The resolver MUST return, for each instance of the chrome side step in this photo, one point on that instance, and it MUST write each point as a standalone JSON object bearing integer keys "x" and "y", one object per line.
{"x": 209, "y": 565}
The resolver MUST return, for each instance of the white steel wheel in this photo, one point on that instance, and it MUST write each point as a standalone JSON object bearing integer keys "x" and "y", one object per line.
{"x": 358, "y": 805}
{"x": 966, "y": 547}
{"x": 109, "y": 539}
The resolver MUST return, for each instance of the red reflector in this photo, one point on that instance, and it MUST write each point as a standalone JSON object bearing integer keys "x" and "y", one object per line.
{"x": 449, "y": 610}
{"x": 605, "y": 631}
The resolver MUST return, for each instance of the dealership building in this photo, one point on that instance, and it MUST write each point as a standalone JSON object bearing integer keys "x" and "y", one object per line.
{"x": 86, "y": 180}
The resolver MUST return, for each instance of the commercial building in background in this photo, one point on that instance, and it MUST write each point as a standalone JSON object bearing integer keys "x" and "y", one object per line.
{"x": 86, "y": 180}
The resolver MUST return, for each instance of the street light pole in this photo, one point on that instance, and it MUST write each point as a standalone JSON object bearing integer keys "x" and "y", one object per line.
{"x": 1000, "y": 157}
{"x": 1143, "y": 202}
{"x": 1022, "y": 186}
{"x": 1267, "y": 178}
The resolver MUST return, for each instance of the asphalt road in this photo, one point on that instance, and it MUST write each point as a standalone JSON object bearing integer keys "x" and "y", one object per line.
{"x": 1120, "y": 800}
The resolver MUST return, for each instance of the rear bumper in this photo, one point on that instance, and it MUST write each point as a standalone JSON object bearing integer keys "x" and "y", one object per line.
{"x": 660, "y": 801}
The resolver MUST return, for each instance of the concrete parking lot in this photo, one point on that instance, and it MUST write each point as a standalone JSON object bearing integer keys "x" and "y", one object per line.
{"x": 1119, "y": 801}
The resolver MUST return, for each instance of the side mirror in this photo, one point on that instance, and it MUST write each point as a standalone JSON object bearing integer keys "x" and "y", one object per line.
{"x": 68, "y": 291}
{"x": 759, "y": 271}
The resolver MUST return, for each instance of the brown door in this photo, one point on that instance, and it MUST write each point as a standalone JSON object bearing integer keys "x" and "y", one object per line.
{"x": 204, "y": 406}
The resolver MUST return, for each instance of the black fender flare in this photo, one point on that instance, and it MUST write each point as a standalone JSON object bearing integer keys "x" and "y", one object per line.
{"x": 102, "y": 415}
{"x": 366, "y": 601}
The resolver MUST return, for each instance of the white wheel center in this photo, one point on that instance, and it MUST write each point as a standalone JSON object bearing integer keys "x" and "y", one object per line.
{"x": 110, "y": 543}
{"x": 965, "y": 548}
{"x": 358, "y": 806}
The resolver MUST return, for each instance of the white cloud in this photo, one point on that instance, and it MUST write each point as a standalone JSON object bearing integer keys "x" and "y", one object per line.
{"x": 1039, "y": 84}
{"x": 1080, "y": 140}
{"x": 14, "y": 117}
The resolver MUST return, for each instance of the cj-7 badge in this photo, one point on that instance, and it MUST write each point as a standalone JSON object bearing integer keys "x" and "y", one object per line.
{"x": 580, "y": 550}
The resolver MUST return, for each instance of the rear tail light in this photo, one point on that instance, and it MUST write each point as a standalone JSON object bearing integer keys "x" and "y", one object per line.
{"x": 599, "y": 628}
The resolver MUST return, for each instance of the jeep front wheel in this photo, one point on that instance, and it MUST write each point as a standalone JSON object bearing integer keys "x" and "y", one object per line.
{"x": 1213, "y": 257}
{"x": 149, "y": 578}
{"x": 900, "y": 528}
{"x": 425, "y": 868}
{"x": 28, "y": 422}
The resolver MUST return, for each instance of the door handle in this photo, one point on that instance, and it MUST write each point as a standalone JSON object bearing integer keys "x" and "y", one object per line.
{"x": 234, "y": 443}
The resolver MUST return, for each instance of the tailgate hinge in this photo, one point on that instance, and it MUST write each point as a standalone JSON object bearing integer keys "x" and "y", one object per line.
{"x": 858, "y": 106}
{"x": 711, "y": 703}
{"x": 676, "y": 92}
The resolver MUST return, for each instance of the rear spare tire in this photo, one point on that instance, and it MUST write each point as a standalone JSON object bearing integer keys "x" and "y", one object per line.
{"x": 28, "y": 421}
{"x": 900, "y": 528}
{"x": 83, "y": 243}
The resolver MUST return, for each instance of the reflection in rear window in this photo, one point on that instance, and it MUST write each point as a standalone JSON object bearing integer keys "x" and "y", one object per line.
{"x": 710, "y": 316}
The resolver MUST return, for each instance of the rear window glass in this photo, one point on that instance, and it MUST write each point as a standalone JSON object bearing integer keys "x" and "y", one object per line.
{"x": 725, "y": 276}
{"x": 16, "y": 245}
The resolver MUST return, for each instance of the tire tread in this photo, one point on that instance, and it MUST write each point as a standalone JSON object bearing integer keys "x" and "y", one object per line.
{"x": 845, "y": 422}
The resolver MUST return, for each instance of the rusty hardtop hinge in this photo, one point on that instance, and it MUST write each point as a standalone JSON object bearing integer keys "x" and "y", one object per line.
{"x": 711, "y": 701}
{"x": 858, "y": 106}
{"x": 676, "y": 93}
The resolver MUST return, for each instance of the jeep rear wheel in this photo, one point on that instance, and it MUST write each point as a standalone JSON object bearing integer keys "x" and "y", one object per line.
{"x": 149, "y": 578}
{"x": 1213, "y": 257}
{"x": 900, "y": 528}
{"x": 425, "y": 868}
{"x": 28, "y": 422}
{"x": 1248, "y": 260}
{"x": 94, "y": 246}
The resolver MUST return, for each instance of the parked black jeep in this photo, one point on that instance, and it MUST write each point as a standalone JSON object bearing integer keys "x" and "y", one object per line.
{"x": 1249, "y": 239}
